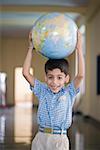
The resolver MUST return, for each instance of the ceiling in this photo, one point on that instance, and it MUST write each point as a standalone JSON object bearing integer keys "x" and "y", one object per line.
{"x": 45, "y": 2}
{"x": 18, "y": 17}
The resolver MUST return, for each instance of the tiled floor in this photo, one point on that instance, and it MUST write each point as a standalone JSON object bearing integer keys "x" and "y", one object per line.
{"x": 18, "y": 126}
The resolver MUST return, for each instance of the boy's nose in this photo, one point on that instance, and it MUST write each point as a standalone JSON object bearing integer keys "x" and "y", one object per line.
{"x": 54, "y": 80}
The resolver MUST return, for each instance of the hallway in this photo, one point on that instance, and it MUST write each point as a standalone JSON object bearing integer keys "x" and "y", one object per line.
{"x": 18, "y": 126}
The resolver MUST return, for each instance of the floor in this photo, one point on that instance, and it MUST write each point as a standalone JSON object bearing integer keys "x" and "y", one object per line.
{"x": 18, "y": 126}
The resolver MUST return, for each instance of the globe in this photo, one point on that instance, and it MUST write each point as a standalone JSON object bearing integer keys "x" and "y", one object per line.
{"x": 54, "y": 35}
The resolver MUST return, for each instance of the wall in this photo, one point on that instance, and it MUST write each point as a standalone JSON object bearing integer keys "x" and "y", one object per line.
{"x": 94, "y": 52}
{"x": 0, "y": 52}
{"x": 91, "y": 101}
{"x": 0, "y": 47}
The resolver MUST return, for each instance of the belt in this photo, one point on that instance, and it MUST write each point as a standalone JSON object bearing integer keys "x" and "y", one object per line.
{"x": 52, "y": 131}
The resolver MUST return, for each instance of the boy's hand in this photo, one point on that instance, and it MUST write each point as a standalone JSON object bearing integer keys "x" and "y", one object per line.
{"x": 31, "y": 46}
{"x": 79, "y": 41}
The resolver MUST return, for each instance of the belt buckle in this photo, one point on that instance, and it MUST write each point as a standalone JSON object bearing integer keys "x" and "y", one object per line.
{"x": 48, "y": 130}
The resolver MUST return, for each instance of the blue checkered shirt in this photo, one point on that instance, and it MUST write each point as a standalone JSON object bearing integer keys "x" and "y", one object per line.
{"x": 55, "y": 109}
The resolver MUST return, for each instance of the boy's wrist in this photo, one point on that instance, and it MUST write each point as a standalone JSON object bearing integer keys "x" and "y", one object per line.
{"x": 30, "y": 47}
{"x": 79, "y": 49}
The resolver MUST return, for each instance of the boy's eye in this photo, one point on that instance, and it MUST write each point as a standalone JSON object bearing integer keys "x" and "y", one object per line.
{"x": 50, "y": 77}
{"x": 59, "y": 78}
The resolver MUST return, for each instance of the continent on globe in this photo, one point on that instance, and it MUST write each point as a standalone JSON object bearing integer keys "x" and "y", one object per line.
{"x": 54, "y": 35}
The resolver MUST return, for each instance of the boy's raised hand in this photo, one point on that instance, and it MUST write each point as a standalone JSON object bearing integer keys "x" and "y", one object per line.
{"x": 27, "y": 62}
{"x": 31, "y": 46}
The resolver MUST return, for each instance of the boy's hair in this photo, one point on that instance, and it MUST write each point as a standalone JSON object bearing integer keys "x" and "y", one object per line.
{"x": 61, "y": 64}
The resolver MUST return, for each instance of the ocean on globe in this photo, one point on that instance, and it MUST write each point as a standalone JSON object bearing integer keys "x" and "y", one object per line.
{"x": 54, "y": 35}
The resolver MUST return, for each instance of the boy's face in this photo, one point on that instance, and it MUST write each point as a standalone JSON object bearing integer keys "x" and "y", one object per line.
{"x": 56, "y": 79}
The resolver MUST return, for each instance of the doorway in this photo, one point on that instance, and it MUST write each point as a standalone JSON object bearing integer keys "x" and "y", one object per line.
{"x": 23, "y": 93}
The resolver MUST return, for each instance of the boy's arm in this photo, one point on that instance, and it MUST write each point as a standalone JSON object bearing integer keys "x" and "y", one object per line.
{"x": 27, "y": 63}
{"x": 80, "y": 72}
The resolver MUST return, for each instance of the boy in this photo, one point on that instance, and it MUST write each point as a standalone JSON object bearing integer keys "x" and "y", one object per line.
{"x": 55, "y": 99}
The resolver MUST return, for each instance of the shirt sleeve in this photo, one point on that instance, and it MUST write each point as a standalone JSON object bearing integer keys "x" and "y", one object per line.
{"x": 73, "y": 91}
{"x": 37, "y": 89}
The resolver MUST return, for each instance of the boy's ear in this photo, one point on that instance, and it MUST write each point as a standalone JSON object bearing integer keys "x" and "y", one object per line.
{"x": 67, "y": 78}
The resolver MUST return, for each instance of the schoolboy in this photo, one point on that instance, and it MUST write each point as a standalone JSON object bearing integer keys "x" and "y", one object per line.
{"x": 56, "y": 98}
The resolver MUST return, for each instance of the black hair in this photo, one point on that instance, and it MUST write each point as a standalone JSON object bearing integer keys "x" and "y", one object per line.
{"x": 61, "y": 64}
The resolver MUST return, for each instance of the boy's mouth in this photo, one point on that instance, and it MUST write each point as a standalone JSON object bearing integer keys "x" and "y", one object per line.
{"x": 55, "y": 87}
